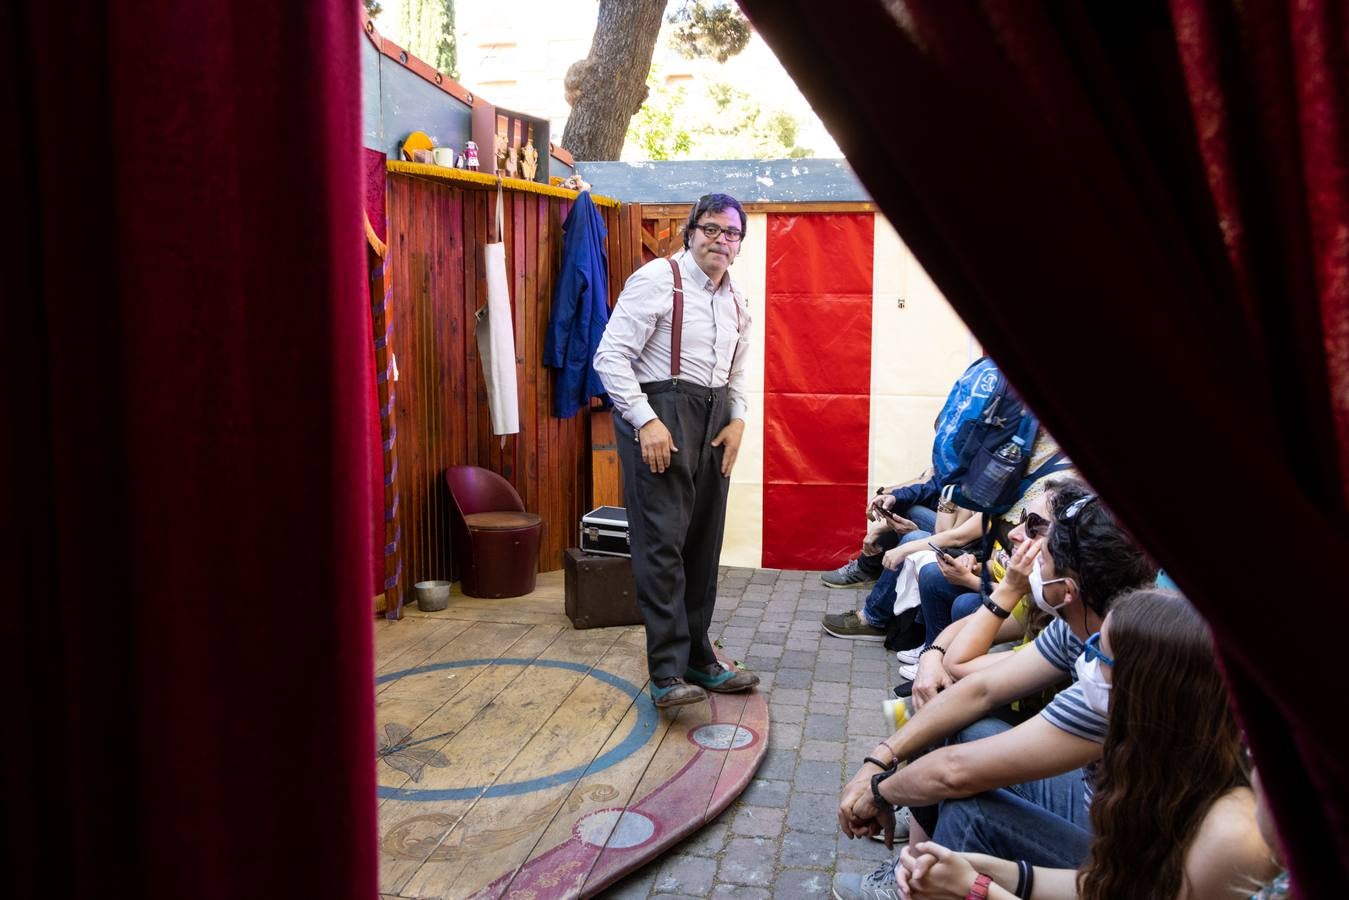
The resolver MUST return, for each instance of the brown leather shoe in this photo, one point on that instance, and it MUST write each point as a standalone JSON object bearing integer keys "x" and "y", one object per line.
{"x": 675, "y": 692}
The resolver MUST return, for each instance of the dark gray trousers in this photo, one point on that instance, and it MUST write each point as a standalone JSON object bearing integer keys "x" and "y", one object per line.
{"x": 676, "y": 520}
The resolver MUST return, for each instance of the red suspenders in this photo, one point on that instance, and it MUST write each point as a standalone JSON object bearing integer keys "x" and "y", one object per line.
{"x": 677, "y": 323}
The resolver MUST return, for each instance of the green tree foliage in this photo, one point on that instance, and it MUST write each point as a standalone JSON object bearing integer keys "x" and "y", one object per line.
{"x": 715, "y": 30}
{"x": 373, "y": 8}
{"x": 654, "y": 133}
{"x": 738, "y": 127}
{"x": 428, "y": 28}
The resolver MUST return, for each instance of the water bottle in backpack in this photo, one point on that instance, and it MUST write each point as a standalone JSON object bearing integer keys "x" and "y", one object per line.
{"x": 986, "y": 487}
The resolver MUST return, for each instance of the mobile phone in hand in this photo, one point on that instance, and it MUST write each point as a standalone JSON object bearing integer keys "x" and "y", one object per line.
{"x": 940, "y": 552}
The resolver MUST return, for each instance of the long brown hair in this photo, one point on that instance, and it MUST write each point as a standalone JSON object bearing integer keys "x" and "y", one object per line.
{"x": 1172, "y": 748}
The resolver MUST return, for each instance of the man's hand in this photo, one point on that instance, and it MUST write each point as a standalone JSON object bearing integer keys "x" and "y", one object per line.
{"x": 894, "y": 558}
{"x": 959, "y": 571}
{"x": 931, "y": 679}
{"x": 877, "y": 503}
{"x": 657, "y": 445}
{"x": 730, "y": 437}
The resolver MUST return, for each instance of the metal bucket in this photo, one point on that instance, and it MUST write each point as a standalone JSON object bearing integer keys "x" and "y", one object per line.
{"x": 432, "y": 595}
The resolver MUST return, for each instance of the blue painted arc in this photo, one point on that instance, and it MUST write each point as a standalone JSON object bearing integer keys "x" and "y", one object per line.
{"x": 642, "y": 729}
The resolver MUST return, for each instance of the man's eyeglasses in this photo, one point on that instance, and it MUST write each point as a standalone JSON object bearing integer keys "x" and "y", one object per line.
{"x": 1067, "y": 518}
{"x": 712, "y": 229}
{"x": 1092, "y": 650}
{"x": 1036, "y": 525}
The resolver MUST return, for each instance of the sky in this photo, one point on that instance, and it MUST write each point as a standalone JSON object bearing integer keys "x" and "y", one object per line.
{"x": 515, "y": 55}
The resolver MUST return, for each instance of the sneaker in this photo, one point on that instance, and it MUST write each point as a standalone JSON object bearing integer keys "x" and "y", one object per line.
{"x": 851, "y": 626}
{"x": 897, "y": 712}
{"x": 908, "y": 673}
{"x": 878, "y": 885}
{"x": 848, "y": 575}
{"x": 717, "y": 677}
{"x": 901, "y": 827}
{"x": 910, "y": 656}
{"x": 904, "y": 689}
{"x": 675, "y": 692}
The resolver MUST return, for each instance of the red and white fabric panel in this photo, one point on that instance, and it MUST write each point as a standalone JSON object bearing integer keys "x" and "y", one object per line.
{"x": 853, "y": 353}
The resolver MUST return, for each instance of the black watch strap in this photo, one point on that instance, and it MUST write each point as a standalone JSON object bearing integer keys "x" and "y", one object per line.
{"x": 881, "y": 802}
{"x": 995, "y": 609}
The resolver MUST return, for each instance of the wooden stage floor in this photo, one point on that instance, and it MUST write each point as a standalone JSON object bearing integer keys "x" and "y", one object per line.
{"x": 521, "y": 758}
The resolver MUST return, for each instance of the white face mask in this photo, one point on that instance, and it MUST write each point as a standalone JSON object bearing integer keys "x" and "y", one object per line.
{"x": 1095, "y": 689}
{"x": 1037, "y": 590}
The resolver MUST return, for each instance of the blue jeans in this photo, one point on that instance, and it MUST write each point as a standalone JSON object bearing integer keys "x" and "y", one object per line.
{"x": 1044, "y": 822}
{"x": 879, "y": 608}
{"x": 943, "y": 602}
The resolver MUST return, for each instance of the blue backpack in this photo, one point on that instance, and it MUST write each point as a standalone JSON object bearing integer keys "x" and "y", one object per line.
{"x": 982, "y": 415}
{"x": 964, "y": 404}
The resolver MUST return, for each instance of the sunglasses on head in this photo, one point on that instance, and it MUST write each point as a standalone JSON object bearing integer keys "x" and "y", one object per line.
{"x": 1068, "y": 517}
{"x": 1092, "y": 650}
{"x": 1036, "y": 525}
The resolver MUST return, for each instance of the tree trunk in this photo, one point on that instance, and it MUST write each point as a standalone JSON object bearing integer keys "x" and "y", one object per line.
{"x": 607, "y": 88}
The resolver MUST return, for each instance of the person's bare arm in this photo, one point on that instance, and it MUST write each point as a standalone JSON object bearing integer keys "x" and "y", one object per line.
{"x": 963, "y": 533}
{"x": 984, "y": 625}
{"x": 962, "y": 704}
{"x": 1228, "y": 850}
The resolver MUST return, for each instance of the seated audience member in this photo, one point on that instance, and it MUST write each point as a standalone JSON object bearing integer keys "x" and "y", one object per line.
{"x": 962, "y": 647}
{"x": 1174, "y": 814}
{"x": 1278, "y": 887}
{"x": 1090, "y": 560}
{"x": 894, "y": 515}
{"x": 870, "y": 623}
{"x": 937, "y": 593}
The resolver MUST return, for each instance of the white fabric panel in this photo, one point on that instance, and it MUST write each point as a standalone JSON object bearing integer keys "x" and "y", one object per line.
{"x": 496, "y": 344}
{"x": 917, "y": 352}
{"x": 743, "y": 544}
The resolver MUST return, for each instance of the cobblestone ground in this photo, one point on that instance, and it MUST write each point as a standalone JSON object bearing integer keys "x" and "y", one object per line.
{"x": 780, "y": 838}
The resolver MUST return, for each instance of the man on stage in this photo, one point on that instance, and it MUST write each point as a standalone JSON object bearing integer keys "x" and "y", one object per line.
{"x": 679, "y": 390}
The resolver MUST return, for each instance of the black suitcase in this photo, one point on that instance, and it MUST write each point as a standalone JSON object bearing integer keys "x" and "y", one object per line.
{"x": 599, "y": 590}
{"x": 604, "y": 530}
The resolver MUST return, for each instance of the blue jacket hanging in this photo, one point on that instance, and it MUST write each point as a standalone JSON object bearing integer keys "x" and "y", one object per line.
{"x": 580, "y": 309}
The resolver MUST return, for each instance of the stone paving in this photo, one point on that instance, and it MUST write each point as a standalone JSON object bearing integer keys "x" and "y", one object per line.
{"x": 780, "y": 838}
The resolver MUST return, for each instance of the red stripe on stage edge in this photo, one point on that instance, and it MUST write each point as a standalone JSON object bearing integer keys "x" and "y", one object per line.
{"x": 817, "y": 385}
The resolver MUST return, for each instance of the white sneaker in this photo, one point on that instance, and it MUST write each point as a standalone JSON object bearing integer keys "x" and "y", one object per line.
{"x": 901, "y": 827}
{"x": 910, "y": 656}
{"x": 908, "y": 673}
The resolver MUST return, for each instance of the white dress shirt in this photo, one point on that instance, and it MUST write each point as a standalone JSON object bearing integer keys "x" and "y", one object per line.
{"x": 636, "y": 345}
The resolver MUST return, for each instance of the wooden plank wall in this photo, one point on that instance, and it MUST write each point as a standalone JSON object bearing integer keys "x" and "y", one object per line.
{"x": 436, "y": 231}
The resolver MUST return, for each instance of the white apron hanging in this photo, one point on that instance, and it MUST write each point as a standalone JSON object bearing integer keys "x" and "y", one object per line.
{"x": 496, "y": 337}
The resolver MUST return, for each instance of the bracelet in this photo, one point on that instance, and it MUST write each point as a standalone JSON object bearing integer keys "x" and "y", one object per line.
{"x": 940, "y": 649}
{"x": 876, "y": 762}
{"x": 979, "y": 890}
{"x": 995, "y": 609}
{"x": 1025, "y": 879}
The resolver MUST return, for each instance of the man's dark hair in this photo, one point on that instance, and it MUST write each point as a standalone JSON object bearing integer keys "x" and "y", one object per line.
{"x": 1105, "y": 561}
{"x": 713, "y": 203}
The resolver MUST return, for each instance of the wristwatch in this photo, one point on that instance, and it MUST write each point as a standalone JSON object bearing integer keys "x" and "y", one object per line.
{"x": 881, "y": 802}
{"x": 995, "y": 609}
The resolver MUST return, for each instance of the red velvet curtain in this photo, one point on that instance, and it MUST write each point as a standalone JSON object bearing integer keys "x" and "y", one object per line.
{"x": 1142, "y": 210}
{"x": 187, "y": 656}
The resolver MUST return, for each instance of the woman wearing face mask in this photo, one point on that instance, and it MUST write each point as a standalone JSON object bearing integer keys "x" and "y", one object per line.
{"x": 1173, "y": 814}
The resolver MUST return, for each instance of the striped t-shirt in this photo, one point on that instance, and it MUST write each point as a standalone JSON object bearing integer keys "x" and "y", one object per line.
{"x": 1069, "y": 710}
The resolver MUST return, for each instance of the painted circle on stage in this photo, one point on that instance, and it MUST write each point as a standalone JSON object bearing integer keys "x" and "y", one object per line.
{"x": 617, "y": 829}
{"x": 722, "y": 736}
{"x": 642, "y": 729}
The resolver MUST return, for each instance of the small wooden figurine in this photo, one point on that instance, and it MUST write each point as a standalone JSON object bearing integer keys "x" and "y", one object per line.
{"x": 512, "y": 162}
{"x": 529, "y": 161}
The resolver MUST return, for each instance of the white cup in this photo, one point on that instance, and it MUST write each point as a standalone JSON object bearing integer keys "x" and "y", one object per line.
{"x": 444, "y": 157}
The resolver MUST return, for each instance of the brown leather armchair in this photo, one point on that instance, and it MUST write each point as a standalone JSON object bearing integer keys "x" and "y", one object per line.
{"x": 495, "y": 542}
